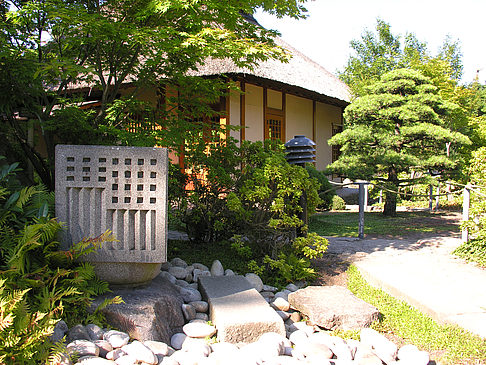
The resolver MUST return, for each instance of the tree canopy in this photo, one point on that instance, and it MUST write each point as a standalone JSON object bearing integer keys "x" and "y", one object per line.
{"x": 49, "y": 47}
{"x": 400, "y": 125}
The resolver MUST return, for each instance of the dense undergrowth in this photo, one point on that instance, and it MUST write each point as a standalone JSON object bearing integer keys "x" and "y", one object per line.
{"x": 38, "y": 283}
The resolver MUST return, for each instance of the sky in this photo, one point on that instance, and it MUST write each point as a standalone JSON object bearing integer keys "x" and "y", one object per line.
{"x": 331, "y": 24}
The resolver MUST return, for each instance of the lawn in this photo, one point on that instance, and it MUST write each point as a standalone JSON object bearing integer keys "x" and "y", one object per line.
{"x": 345, "y": 224}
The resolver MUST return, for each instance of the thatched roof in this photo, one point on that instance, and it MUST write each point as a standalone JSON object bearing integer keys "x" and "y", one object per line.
{"x": 301, "y": 73}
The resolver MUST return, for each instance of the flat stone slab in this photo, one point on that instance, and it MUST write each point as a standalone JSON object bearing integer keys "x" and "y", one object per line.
{"x": 238, "y": 311}
{"x": 333, "y": 307}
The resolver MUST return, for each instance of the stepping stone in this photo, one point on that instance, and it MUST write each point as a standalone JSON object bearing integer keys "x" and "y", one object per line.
{"x": 238, "y": 311}
{"x": 332, "y": 307}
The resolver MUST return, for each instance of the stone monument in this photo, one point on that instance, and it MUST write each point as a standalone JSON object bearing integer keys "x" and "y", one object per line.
{"x": 121, "y": 189}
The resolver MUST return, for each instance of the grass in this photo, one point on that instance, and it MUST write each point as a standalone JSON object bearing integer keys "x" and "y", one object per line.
{"x": 456, "y": 345}
{"x": 345, "y": 224}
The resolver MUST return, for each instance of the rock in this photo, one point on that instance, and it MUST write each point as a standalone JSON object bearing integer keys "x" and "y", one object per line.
{"x": 160, "y": 349}
{"x": 267, "y": 294}
{"x": 148, "y": 313}
{"x": 275, "y": 339}
{"x": 269, "y": 288}
{"x": 199, "y": 266}
{"x": 116, "y": 338}
{"x": 186, "y": 358}
{"x": 190, "y": 269}
{"x": 182, "y": 283}
{"x": 200, "y": 306}
{"x": 94, "y": 360}
{"x": 165, "y": 266}
{"x": 115, "y": 354}
{"x": 382, "y": 347}
{"x": 281, "y": 304}
{"x": 104, "y": 347}
{"x": 188, "y": 311}
{"x": 315, "y": 350}
{"x": 229, "y": 272}
{"x": 302, "y": 326}
{"x": 197, "y": 346}
{"x": 193, "y": 286}
{"x": 199, "y": 330}
{"x": 64, "y": 359}
{"x": 224, "y": 347}
{"x": 140, "y": 352}
{"x": 198, "y": 273}
{"x": 189, "y": 295}
{"x": 333, "y": 307}
{"x": 176, "y": 261}
{"x": 188, "y": 278}
{"x": 126, "y": 360}
{"x": 295, "y": 316}
{"x": 366, "y": 356}
{"x": 60, "y": 330}
{"x": 83, "y": 348}
{"x": 255, "y": 281}
{"x": 178, "y": 272}
{"x": 298, "y": 337}
{"x": 177, "y": 340}
{"x": 169, "y": 361}
{"x": 78, "y": 332}
{"x": 217, "y": 268}
{"x": 411, "y": 355}
{"x": 282, "y": 294}
{"x": 292, "y": 287}
{"x": 169, "y": 277}
{"x": 202, "y": 316}
{"x": 283, "y": 314}
{"x": 94, "y": 332}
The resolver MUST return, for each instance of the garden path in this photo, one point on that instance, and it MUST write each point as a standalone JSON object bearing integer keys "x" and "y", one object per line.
{"x": 422, "y": 272}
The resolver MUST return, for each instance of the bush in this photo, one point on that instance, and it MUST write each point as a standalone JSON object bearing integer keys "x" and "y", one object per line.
{"x": 325, "y": 190}
{"x": 338, "y": 203}
{"x": 40, "y": 283}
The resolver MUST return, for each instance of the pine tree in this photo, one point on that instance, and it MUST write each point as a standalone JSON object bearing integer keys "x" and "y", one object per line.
{"x": 397, "y": 127}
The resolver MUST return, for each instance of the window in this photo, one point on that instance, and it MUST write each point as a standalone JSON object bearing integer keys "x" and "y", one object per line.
{"x": 274, "y": 127}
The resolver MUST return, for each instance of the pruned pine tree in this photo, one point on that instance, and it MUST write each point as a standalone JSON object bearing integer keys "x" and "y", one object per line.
{"x": 397, "y": 127}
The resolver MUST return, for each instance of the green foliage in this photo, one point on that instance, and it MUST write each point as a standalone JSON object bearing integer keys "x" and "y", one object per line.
{"x": 39, "y": 284}
{"x": 399, "y": 126}
{"x": 475, "y": 249}
{"x": 399, "y": 318}
{"x": 49, "y": 47}
{"x": 325, "y": 190}
{"x": 338, "y": 203}
{"x": 381, "y": 51}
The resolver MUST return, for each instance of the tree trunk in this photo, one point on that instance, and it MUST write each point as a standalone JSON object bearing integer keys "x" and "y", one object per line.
{"x": 390, "y": 209}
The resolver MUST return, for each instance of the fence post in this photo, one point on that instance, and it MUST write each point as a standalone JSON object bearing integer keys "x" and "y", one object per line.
{"x": 437, "y": 196}
{"x": 431, "y": 195}
{"x": 465, "y": 211}
{"x": 361, "y": 209}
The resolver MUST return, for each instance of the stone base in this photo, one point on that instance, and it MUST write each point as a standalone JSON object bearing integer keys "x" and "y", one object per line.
{"x": 126, "y": 274}
{"x": 149, "y": 313}
{"x": 238, "y": 311}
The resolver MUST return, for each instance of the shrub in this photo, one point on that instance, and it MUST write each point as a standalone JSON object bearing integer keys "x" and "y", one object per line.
{"x": 325, "y": 190}
{"x": 338, "y": 203}
{"x": 475, "y": 249}
{"x": 39, "y": 283}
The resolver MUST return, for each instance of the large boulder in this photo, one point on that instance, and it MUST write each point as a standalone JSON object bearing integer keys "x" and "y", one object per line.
{"x": 333, "y": 307}
{"x": 149, "y": 313}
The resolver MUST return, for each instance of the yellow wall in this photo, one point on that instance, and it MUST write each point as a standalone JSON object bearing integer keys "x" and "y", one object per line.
{"x": 253, "y": 113}
{"x": 298, "y": 117}
{"x": 326, "y": 116}
{"x": 274, "y": 99}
